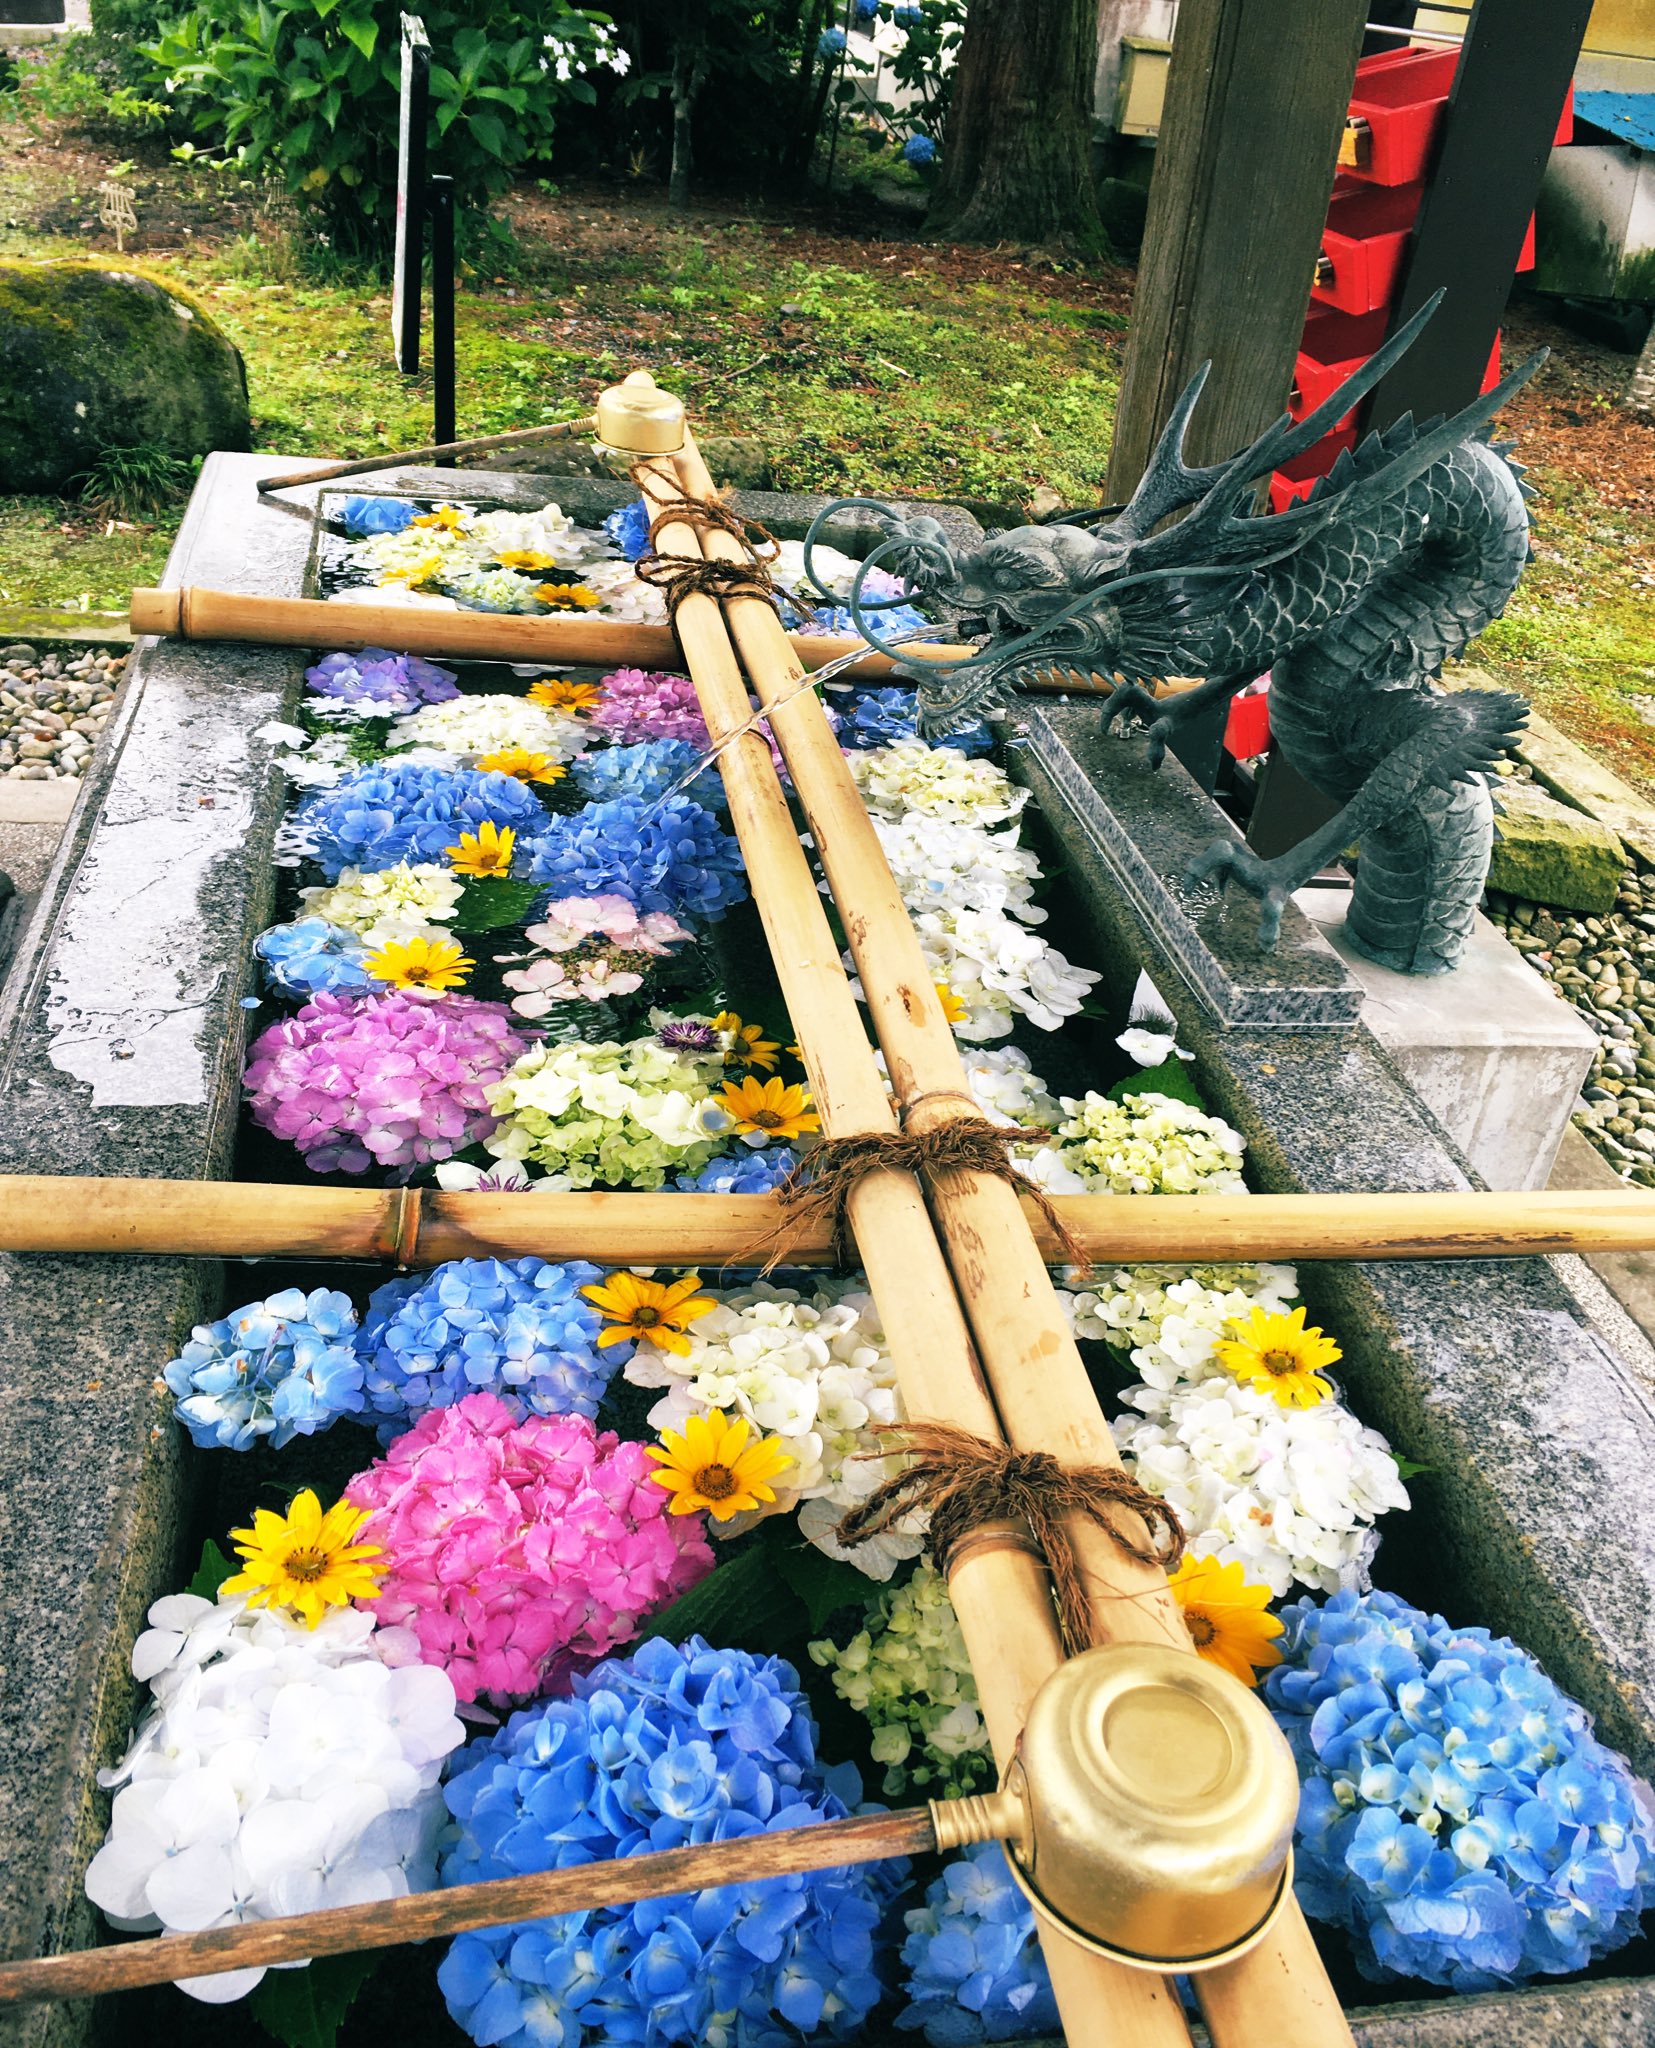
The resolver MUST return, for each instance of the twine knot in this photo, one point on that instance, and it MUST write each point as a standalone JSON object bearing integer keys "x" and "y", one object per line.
{"x": 965, "y": 1482}
{"x": 679, "y": 577}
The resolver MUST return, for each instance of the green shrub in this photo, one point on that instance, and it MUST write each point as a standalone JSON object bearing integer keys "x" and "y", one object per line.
{"x": 134, "y": 481}
{"x": 307, "y": 89}
{"x": 89, "y": 82}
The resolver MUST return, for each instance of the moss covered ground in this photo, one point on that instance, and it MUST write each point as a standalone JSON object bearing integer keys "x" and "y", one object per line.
{"x": 863, "y": 360}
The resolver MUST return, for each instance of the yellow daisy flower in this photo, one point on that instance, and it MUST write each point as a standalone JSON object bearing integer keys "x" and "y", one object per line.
{"x": 485, "y": 852}
{"x": 555, "y": 694}
{"x": 750, "y": 1048}
{"x": 778, "y": 1108}
{"x": 305, "y": 1560}
{"x": 1226, "y": 1616}
{"x": 526, "y": 558}
{"x": 713, "y": 1466}
{"x": 421, "y": 963}
{"x": 1279, "y": 1355}
{"x": 524, "y": 763}
{"x": 649, "y": 1311}
{"x": 449, "y": 517}
{"x": 953, "y": 1006}
{"x": 415, "y": 573}
{"x": 568, "y": 597}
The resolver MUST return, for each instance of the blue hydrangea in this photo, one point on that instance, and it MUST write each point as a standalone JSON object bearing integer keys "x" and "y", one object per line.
{"x": 866, "y": 9}
{"x": 305, "y": 958}
{"x": 402, "y": 810}
{"x": 829, "y": 44}
{"x": 269, "y": 1372}
{"x": 390, "y": 682}
{"x": 655, "y": 1751}
{"x": 747, "y": 1172}
{"x": 516, "y": 1328}
{"x": 907, "y": 13}
{"x": 671, "y": 856}
{"x": 628, "y": 529}
{"x": 645, "y": 772}
{"x": 887, "y": 717}
{"x": 376, "y": 515}
{"x": 972, "y": 1965}
{"x": 919, "y": 149}
{"x": 890, "y": 622}
{"x": 1458, "y": 1818}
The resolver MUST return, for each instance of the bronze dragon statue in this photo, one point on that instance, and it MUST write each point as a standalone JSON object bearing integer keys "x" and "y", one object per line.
{"x": 1352, "y": 599}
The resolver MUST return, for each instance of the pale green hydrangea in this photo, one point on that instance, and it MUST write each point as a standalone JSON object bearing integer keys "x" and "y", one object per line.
{"x": 1142, "y": 1145}
{"x": 937, "y": 782}
{"x": 410, "y": 901}
{"x": 906, "y": 1671}
{"x": 607, "y": 1115}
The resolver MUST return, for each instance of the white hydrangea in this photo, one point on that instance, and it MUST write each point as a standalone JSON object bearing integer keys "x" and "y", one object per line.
{"x": 937, "y": 782}
{"x": 813, "y": 1370}
{"x": 906, "y": 1670}
{"x": 474, "y": 726}
{"x": 1146, "y": 1144}
{"x": 1170, "y": 1319}
{"x": 1004, "y": 1086}
{"x": 400, "y": 903}
{"x": 939, "y": 866}
{"x": 415, "y": 556}
{"x": 625, "y": 595}
{"x": 309, "y": 762}
{"x": 277, "y": 1769}
{"x": 550, "y": 532}
{"x": 1291, "y": 1494}
{"x": 999, "y": 969}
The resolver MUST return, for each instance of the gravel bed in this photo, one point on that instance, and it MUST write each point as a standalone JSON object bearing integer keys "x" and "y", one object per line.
{"x": 52, "y": 709}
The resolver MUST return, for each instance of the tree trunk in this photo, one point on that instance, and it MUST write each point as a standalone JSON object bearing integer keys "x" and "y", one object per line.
{"x": 1016, "y": 161}
{"x": 686, "y": 83}
{"x": 1640, "y": 393}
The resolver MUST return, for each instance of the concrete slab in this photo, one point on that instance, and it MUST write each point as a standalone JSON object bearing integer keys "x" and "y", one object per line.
{"x": 1496, "y": 1057}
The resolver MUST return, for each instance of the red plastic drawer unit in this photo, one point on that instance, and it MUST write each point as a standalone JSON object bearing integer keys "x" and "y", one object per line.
{"x": 1247, "y": 729}
{"x": 1335, "y": 347}
{"x": 1363, "y": 245}
{"x": 1394, "y": 114}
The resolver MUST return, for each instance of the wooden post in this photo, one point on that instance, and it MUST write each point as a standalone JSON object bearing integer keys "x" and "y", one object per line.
{"x": 1508, "y": 92}
{"x": 1256, "y": 99}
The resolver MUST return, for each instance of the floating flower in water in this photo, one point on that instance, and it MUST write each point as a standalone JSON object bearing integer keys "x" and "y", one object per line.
{"x": 672, "y": 856}
{"x": 561, "y": 597}
{"x": 523, "y": 763}
{"x": 449, "y": 517}
{"x": 650, "y": 1311}
{"x": 712, "y": 1467}
{"x": 747, "y": 1172}
{"x": 376, "y": 515}
{"x": 591, "y": 947}
{"x": 697, "y": 1036}
{"x": 525, "y": 558}
{"x": 311, "y": 955}
{"x": 1144, "y": 1144}
{"x": 485, "y": 853}
{"x": 761, "y": 1110}
{"x": 492, "y": 723}
{"x": 401, "y": 902}
{"x": 1226, "y": 1617}
{"x": 377, "y": 677}
{"x": 615, "y": 1114}
{"x": 953, "y": 1006}
{"x": 644, "y": 704}
{"x": 629, "y": 528}
{"x": 1278, "y": 1354}
{"x": 974, "y": 1971}
{"x": 305, "y": 1560}
{"x": 646, "y": 770}
{"x": 558, "y": 694}
{"x": 435, "y": 964}
{"x": 271, "y": 1371}
{"x": 747, "y": 1045}
{"x": 410, "y": 811}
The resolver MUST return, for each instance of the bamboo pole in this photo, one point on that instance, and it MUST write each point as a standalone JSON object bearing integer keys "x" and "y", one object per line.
{"x": 1002, "y": 1596}
{"x": 1282, "y": 1996}
{"x": 495, "y": 1902}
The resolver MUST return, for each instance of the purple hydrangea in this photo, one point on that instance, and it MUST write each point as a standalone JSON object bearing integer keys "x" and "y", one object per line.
{"x": 403, "y": 810}
{"x": 670, "y": 1746}
{"x": 391, "y": 1080}
{"x": 645, "y": 704}
{"x": 671, "y": 856}
{"x": 312, "y": 956}
{"x": 393, "y": 683}
{"x": 515, "y": 1328}
{"x": 628, "y": 529}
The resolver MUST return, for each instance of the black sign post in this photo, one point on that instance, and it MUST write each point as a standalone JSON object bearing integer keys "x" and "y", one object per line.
{"x": 442, "y": 307}
{"x": 410, "y": 229}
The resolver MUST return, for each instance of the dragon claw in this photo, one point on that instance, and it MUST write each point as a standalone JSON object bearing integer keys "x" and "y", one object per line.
{"x": 1231, "y": 861}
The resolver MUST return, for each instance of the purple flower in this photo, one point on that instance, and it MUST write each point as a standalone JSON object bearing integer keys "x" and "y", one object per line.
{"x": 391, "y": 1080}
{"x": 396, "y": 682}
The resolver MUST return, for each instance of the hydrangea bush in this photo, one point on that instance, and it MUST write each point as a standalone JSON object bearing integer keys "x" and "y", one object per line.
{"x": 518, "y": 1551}
{"x": 515, "y": 1328}
{"x": 388, "y": 1080}
{"x": 673, "y": 1745}
{"x": 269, "y": 1372}
{"x": 1458, "y": 1817}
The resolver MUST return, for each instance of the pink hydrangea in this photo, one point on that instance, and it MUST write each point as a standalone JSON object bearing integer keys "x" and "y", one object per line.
{"x": 393, "y": 1080}
{"x": 644, "y": 704}
{"x": 521, "y": 1552}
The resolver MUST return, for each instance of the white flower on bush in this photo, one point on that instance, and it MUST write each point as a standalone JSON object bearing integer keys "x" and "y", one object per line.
{"x": 403, "y": 902}
{"x": 813, "y": 1370}
{"x": 1291, "y": 1494}
{"x": 1146, "y": 1144}
{"x": 937, "y": 782}
{"x": 1170, "y": 1319}
{"x": 939, "y": 866}
{"x": 276, "y": 1769}
{"x": 474, "y": 726}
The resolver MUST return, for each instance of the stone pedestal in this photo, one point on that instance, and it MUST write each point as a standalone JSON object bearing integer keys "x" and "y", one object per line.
{"x": 1494, "y": 1055}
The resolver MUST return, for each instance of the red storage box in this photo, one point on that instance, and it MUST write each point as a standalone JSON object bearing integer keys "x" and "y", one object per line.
{"x": 1363, "y": 245}
{"x": 1247, "y": 730}
{"x": 1394, "y": 114}
{"x": 1335, "y": 346}
{"x": 1293, "y": 479}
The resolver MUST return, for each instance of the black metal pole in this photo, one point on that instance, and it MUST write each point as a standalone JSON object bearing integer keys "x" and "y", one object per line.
{"x": 442, "y": 308}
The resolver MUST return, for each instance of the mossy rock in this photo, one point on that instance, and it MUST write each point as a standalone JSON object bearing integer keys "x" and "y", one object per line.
{"x": 1544, "y": 852}
{"x": 93, "y": 357}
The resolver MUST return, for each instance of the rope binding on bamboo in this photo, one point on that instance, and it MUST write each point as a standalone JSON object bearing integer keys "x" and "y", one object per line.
{"x": 679, "y": 576}
{"x": 972, "y": 1487}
